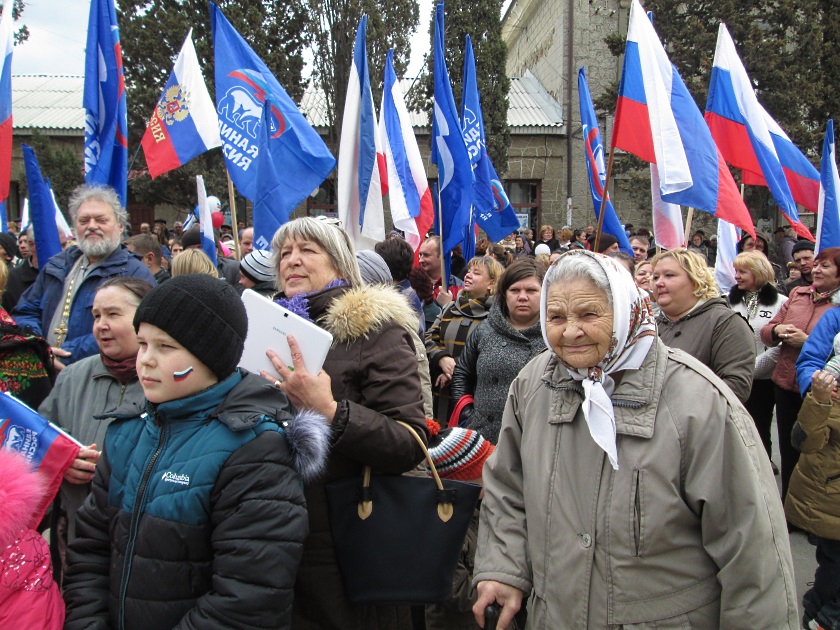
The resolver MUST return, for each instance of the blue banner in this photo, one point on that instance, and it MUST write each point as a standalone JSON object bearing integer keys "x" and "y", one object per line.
{"x": 106, "y": 122}
{"x": 491, "y": 205}
{"x": 448, "y": 150}
{"x": 244, "y": 88}
{"x": 41, "y": 209}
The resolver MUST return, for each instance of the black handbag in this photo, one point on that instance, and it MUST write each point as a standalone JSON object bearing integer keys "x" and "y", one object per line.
{"x": 398, "y": 538}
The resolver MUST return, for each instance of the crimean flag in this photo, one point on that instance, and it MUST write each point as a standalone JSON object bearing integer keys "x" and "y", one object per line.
{"x": 244, "y": 84}
{"x": 7, "y": 37}
{"x": 48, "y": 449}
{"x": 412, "y": 210}
{"x": 106, "y": 121}
{"x": 828, "y": 218}
{"x": 657, "y": 120}
{"x": 449, "y": 152}
{"x": 184, "y": 123}
{"x": 751, "y": 140}
{"x": 362, "y": 174}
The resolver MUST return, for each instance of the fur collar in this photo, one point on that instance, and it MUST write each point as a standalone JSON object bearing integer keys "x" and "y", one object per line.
{"x": 360, "y": 312}
{"x": 21, "y": 492}
{"x": 767, "y": 295}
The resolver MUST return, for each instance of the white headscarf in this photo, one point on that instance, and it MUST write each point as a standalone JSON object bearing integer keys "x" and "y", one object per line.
{"x": 634, "y": 331}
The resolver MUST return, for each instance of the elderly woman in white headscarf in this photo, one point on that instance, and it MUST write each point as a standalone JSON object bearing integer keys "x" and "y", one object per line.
{"x": 629, "y": 487}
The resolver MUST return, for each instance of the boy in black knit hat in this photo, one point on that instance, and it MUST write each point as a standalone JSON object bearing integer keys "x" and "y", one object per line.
{"x": 197, "y": 516}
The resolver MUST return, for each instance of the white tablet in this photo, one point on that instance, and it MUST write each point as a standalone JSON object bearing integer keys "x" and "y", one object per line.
{"x": 269, "y": 324}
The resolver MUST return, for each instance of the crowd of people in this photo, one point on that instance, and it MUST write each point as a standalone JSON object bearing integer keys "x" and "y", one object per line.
{"x": 616, "y": 409}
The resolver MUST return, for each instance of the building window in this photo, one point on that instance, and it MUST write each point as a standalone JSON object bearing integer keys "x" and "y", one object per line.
{"x": 524, "y": 196}
{"x": 323, "y": 201}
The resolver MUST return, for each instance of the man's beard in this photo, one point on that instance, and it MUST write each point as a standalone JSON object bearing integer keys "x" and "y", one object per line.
{"x": 101, "y": 248}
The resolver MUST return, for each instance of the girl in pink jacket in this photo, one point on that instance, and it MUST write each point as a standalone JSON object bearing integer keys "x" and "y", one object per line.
{"x": 29, "y": 598}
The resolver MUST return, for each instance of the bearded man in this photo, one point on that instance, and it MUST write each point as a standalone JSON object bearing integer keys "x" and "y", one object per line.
{"x": 58, "y": 305}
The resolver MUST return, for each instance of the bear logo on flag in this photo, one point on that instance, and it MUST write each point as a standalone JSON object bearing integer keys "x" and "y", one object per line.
{"x": 175, "y": 105}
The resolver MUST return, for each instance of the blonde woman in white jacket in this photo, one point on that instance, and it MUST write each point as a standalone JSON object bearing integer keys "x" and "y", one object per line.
{"x": 756, "y": 298}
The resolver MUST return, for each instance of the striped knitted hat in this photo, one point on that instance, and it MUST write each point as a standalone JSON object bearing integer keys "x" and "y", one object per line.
{"x": 458, "y": 453}
{"x": 257, "y": 266}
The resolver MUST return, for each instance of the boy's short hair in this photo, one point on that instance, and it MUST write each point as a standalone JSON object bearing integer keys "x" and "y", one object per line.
{"x": 203, "y": 314}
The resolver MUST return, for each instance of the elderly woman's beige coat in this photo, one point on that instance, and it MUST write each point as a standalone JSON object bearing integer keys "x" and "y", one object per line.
{"x": 688, "y": 533}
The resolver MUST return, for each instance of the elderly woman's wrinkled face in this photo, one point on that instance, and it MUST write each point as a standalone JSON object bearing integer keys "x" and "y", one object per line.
{"x": 579, "y": 322}
{"x": 304, "y": 267}
{"x": 672, "y": 288}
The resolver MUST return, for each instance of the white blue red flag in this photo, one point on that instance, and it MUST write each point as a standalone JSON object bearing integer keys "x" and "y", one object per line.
{"x": 106, "y": 122}
{"x": 828, "y": 219}
{"x": 491, "y": 206}
{"x": 243, "y": 85}
{"x": 205, "y": 222}
{"x": 657, "y": 120}
{"x": 595, "y": 165}
{"x": 751, "y": 140}
{"x": 410, "y": 199}
{"x": 362, "y": 174}
{"x": 48, "y": 449}
{"x": 449, "y": 152}
{"x": 42, "y": 209}
{"x": 184, "y": 123}
{"x": 727, "y": 249}
{"x": 7, "y": 42}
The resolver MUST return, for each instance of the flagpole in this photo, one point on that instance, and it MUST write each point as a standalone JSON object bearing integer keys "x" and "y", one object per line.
{"x": 136, "y": 153}
{"x": 235, "y": 226}
{"x": 604, "y": 201}
{"x": 444, "y": 281}
{"x": 689, "y": 218}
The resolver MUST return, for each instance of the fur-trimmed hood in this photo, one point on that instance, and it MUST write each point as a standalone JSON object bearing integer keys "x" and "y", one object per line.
{"x": 21, "y": 491}
{"x": 767, "y": 295}
{"x": 362, "y": 311}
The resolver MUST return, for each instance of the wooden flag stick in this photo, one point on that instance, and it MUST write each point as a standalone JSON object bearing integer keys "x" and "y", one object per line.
{"x": 688, "y": 221}
{"x": 604, "y": 201}
{"x": 235, "y": 227}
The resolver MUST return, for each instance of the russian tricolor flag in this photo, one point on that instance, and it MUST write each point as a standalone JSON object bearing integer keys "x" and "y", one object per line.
{"x": 7, "y": 43}
{"x": 362, "y": 178}
{"x": 657, "y": 120}
{"x": 48, "y": 449}
{"x": 828, "y": 225}
{"x": 184, "y": 123}
{"x": 412, "y": 210}
{"x": 751, "y": 140}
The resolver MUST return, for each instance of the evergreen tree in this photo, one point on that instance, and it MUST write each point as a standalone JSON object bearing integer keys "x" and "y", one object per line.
{"x": 333, "y": 35}
{"x": 481, "y": 19}
{"x": 152, "y": 35}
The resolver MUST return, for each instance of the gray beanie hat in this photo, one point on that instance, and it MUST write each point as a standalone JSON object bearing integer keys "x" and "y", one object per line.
{"x": 373, "y": 268}
{"x": 257, "y": 266}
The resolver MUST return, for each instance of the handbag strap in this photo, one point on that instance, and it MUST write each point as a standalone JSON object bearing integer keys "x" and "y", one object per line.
{"x": 455, "y": 418}
{"x": 445, "y": 507}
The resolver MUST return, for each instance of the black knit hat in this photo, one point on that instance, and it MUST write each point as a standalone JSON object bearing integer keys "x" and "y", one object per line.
{"x": 801, "y": 245}
{"x": 203, "y": 314}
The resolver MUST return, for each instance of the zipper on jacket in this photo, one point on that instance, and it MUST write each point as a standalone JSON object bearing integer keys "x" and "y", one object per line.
{"x": 637, "y": 510}
{"x": 135, "y": 519}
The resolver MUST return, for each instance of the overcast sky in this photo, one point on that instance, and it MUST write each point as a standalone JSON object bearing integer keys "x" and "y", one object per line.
{"x": 58, "y": 30}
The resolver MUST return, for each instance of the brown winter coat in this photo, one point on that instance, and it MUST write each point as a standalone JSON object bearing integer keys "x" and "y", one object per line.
{"x": 688, "y": 533}
{"x": 813, "y": 498}
{"x": 373, "y": 367}
{"x": 799, "y": 311}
